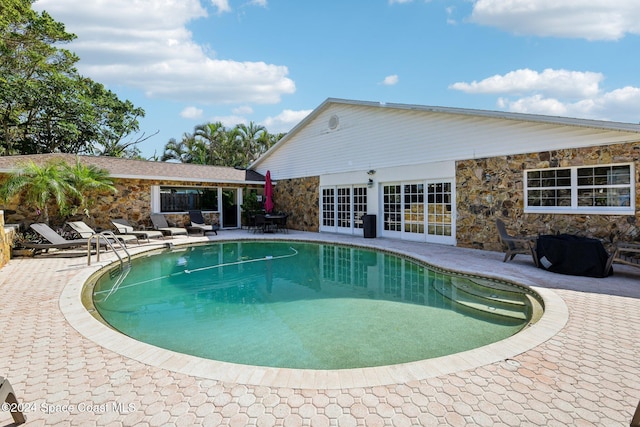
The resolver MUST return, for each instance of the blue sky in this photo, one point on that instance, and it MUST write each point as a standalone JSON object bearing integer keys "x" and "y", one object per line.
{"x": 188, "y": 62}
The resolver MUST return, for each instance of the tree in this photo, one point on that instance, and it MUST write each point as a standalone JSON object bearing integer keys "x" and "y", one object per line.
{"x": 45, "y": 105}
{"x": 39, "y": 186}
{"x": 69, "y": 188}
{"x": 189, "y": 150}
{"x": 213, "y": 144}
{"x": 89, "y": 181}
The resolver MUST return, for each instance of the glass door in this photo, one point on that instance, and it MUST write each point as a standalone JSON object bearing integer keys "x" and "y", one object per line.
{"x": 342, "y": 208}
{"x": 421, "y": 211}
{"x": 440, "y": 218}
{"x": 413, "y": 211}
{"x": 230, "y": 208}
{"x": 343, "y": 212}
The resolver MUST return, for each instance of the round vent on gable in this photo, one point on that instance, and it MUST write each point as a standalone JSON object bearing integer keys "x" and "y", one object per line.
{"x": 334, "y": 121}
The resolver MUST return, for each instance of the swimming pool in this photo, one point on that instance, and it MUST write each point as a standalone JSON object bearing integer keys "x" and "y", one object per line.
{"x": 306, "y": 305}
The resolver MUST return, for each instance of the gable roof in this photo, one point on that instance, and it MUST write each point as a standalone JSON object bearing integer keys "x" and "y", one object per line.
{"x": 600, "y": 125}
{"x": 142, "y": 169}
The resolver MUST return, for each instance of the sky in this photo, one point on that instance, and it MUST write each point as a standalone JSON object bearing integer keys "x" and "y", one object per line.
{"x": 271, "y": 62}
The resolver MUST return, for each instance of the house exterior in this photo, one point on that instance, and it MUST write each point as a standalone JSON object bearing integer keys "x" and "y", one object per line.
{"x": 145, "y": 187}
{"x": 443, "y": 175}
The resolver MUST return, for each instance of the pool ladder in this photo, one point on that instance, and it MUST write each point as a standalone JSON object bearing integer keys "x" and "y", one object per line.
{"x": 109, "y": 238}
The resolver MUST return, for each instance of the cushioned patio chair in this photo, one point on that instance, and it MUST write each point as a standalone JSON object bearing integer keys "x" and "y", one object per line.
{"x": 124, "y": 227}
{"x": 85, "y": 232}
{"x": 55, "y": 240}
{"x": 197, "y": 222}
{"x": 514, "y": 245}
{"x": 160, "y": 223}
{"x": 9, "y": 396}
{"x": 625, "y": 253}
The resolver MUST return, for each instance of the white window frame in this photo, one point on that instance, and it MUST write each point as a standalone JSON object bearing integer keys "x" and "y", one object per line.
{"x": 574, "y": 208}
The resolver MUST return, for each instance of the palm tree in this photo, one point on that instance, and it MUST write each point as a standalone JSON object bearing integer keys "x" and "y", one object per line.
{"x": 213, "y": 136}
{"x": 39, "y": 185}
{"x": 249, "y": 141}
{"x": 88, "y": 181}
{"x": 189, "y": 150}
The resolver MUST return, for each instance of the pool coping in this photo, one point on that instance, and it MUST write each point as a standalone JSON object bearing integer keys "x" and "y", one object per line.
{"x": 555, "y": 317}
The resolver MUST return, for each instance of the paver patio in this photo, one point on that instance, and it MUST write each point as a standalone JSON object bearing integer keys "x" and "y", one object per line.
{"x": 585, "y": 375}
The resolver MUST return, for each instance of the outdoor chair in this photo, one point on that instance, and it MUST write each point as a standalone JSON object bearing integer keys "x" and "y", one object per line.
{"x": 625, "y": 253}
{"x": 160, "y": 223}
{"x": 280, "y": 223}
{"x": 123, "y": 227}
{"x": 55, "y": 240}
{"x": 197, "y": 222}
{"x": 7, "y": 395}
{"x": 85, "y": 232}
{"x": 514, "y": 245}
{"x": 260, "y": 223}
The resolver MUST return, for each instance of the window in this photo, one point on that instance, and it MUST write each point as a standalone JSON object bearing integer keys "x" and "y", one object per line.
{"x": 585, "y": 189}
{"x": 183, "y": 199}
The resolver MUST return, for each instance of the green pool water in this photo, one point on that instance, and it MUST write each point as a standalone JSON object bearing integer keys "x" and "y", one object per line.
{"x": 304, "y": 305}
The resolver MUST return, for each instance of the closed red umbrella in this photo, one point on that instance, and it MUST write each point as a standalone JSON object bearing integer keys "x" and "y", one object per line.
{"x": 268, "y": 193}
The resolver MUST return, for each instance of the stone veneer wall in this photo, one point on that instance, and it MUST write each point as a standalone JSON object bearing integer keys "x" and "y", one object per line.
{"x": 299, "y": 198}
{"x": 492, "y": 188}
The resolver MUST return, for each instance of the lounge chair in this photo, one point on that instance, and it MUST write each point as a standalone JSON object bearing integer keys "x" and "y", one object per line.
{"x": 123, "y": 227}
{"x": 197, "y": 222}
{"x": 9, "y": 396}
{"x": 625, "y": 253}
{"x": 85, "y": 232}
{"x": 55, "y": 240}
{"x": 514, "y": 245}
{"x": 160, "y": 223}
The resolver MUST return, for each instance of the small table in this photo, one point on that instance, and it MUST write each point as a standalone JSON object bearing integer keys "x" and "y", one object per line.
{"x": 574, "y": 255}
{"x": 273, "y": 223}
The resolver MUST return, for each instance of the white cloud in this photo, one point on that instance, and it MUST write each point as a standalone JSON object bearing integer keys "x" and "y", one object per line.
{"x": 262, "y": 3}
{"x": 284, "y": 121}
{"x": 229, "y": 121}
{"x": 245, "y": 109}
{"x": 390, "y": 80}
{"x": 145, "y": 45}
{"x": 191, "y": 113}
{"x": 587, "y": 19}
{"x": 558, "y": 82}
{"x": 222, "y": 5}
{"x": 558, "y": 93}
{"x": 399, "y": 1}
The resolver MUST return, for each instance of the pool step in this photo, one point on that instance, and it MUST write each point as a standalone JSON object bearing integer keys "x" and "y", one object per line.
{"x": 499, "y": 300}
{"x": 493, "y": 291}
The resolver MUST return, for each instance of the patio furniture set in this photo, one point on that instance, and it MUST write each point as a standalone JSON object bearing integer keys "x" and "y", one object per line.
{"x": 569, "y": 254}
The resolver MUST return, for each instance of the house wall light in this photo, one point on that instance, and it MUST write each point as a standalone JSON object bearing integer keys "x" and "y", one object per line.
{"x": 370, "y": 183}
{"x": 371, "y": 172}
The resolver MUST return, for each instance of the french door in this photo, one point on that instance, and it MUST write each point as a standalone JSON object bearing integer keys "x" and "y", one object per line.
{"x": 421, "y": 211}
{"x": 342, "y": 209}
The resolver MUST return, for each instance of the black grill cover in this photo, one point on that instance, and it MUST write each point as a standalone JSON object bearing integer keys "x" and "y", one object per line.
{"x": 574, "y": 255}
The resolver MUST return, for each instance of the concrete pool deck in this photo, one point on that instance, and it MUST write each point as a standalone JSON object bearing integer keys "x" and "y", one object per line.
{"x": 579, "y": 366}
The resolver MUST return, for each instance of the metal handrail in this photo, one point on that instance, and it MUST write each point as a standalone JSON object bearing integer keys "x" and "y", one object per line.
{"x": 109, "y": 239}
